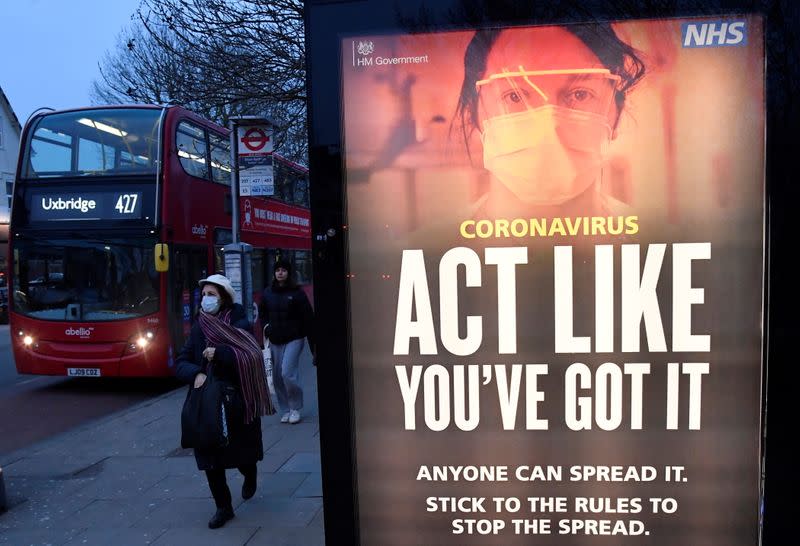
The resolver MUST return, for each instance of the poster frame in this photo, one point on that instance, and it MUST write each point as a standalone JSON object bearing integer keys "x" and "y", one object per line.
{"x": 327, "y": 22}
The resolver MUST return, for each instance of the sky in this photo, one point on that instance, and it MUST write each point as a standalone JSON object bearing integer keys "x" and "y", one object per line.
{"x": 50, "y": 49}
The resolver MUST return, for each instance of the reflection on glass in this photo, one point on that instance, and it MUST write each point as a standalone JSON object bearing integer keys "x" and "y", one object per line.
{"x": 90, "y": 280}
{"x": 93, "y": 143}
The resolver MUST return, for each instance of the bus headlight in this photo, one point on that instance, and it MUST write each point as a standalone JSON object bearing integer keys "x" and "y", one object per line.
{"x": 139, "y": 342}
{"x": 26, "y": 339}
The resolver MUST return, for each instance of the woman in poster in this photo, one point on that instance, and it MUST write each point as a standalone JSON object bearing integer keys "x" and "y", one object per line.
{"x": 546, "y": 102}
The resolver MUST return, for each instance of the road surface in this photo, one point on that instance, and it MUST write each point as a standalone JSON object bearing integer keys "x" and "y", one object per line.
{"x": 33, "y": 408}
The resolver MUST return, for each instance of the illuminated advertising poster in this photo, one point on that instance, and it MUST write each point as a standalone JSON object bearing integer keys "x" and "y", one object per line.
{"x": 556, "y": 259}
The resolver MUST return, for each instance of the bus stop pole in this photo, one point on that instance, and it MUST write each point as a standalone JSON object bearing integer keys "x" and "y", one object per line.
{"x": 238, "y": 255}
{"x": 234, "y": 127}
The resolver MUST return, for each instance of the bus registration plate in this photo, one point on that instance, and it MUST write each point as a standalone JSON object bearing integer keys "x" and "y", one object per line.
{"x": 83, "y": 372}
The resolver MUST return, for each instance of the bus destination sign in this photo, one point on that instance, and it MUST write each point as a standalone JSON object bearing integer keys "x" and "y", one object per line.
{"x": 106, "y": 205}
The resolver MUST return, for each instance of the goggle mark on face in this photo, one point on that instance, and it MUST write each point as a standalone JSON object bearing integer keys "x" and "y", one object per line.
{"x": 588, "y": 90}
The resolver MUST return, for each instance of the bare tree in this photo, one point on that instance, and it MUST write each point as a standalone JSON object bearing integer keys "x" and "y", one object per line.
{"x": 220, "y": 58}
{"x": 141, "y": 70}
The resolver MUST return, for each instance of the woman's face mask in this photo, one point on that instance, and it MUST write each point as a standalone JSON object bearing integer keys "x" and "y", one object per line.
{"x": 547, "y": 155}
{"x": 210, "y": 304}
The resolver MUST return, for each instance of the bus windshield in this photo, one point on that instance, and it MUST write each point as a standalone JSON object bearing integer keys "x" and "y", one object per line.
{"x": 93, "y": 143}
{"x": 84, "y": 279}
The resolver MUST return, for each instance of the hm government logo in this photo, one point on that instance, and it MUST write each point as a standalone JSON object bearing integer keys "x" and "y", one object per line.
{"x": 362, "y": 51}
{"x": 365, "y": 48}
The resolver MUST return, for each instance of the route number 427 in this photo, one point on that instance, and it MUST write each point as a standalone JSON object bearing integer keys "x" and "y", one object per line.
{"x": 126, "y": 204}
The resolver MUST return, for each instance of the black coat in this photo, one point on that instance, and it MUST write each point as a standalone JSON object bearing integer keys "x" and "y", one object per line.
{"x": 288, "y": 314}
{"x": 245, "y": 445}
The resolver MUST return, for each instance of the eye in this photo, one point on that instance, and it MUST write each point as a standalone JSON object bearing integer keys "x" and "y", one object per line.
{"x": 579, "y": 95}
{"x": 514, "y": 98}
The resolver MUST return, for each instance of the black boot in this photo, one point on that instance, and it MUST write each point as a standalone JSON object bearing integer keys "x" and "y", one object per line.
{"x": 249, "y": 488}
{"x": 221, "y": 517}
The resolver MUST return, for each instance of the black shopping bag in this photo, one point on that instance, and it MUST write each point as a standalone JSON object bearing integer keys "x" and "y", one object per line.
{"x": 203, "y": 419}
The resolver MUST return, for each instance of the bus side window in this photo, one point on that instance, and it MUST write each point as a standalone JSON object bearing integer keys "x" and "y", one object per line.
{"x": 220, "y": 159}
{"x": 192, "y": 150}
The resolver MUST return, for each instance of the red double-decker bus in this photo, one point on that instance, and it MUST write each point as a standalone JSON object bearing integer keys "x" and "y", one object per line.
{"x": 101, "y": 195}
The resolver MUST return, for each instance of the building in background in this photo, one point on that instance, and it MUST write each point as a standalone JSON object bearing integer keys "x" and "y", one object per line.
{"x": 10, "y": 130}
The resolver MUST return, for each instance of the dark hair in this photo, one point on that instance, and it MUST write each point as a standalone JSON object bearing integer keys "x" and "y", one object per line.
{"x": 281, "y": 263}
{"x": 620, "y": 58}
{"x": 285, "y": 264}
{"x": 225, "y": 300}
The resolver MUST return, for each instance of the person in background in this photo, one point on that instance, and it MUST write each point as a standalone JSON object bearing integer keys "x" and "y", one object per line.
{"x": 287, "y": 317}
{"x": 220, "y": 343}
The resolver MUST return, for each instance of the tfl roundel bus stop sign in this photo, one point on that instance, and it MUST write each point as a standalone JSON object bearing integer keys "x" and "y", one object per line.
{"x": 255, "y": 159}
{"x": 256, "y": 139}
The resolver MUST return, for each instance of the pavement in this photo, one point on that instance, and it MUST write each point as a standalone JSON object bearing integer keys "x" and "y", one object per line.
{"x": 124, "y": 480}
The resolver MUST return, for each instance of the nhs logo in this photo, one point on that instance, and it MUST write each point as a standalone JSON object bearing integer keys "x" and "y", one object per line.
{"x": 714, "y": 34}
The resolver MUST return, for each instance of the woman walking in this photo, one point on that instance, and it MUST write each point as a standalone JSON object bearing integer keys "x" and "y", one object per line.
{"x": 220, "y": 344}
{"x": 287, "y": 315}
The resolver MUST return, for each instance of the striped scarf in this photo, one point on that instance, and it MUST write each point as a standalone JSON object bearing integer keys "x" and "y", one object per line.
{"x": 249, "y": 362}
